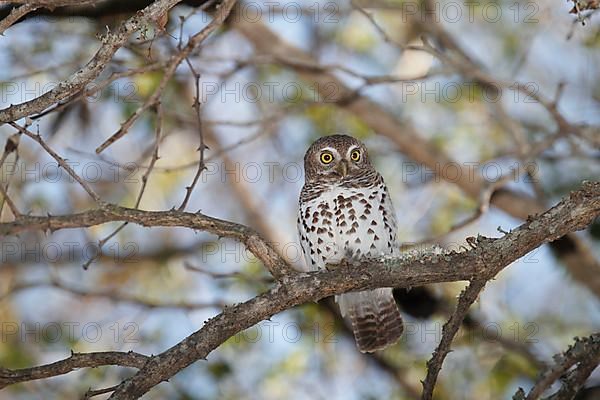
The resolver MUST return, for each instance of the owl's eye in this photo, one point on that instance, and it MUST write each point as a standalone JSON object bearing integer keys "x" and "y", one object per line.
{"x": 355, "y": 155}
{"x": 326, "y": 157}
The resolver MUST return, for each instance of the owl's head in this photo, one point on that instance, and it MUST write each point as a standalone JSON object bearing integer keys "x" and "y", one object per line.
{"x": 335, "y": 158}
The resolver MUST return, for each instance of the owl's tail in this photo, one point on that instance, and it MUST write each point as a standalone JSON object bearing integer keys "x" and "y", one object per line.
{"x": 375, "y": 318}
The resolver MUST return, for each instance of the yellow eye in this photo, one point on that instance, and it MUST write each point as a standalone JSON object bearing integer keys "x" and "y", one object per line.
{"x": 326, "y": 157}
{"x": 355, "y": 155}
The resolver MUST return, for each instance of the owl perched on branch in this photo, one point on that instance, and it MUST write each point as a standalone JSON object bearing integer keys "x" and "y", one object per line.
{"x": 346, "y": 214}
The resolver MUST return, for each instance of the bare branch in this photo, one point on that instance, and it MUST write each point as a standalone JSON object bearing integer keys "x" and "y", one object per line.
{"x": 575, "y": 380}
{"x": 202, "y": 146}
{"x": 61, "y": 161}
{"x": 585, "y": 352}
{"x": 76, "y": 361}
{"x": 195, "y": 41}
{"x": 486, "y": 259}
{"x": 97, "y": 392}
{"x": 111, "y": 213}
{"x": 16, "y": 14}
{"x": 155, "y": 157}
{"x": 11, "y": 146}
{"x": 51, "y": 4}
{"x": 11, "y": 205}
{"x": 98, "y": 87}
{"x": 483, "y": 206}
{"x": 434, "y": 365}
{"x": 111, "y": 42}
{"x": 103, "y": 241}
{"x": 235, "y": 274}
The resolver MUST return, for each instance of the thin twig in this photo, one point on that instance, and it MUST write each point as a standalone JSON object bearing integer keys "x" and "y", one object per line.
{"x": 111, "y": 295}
{"x": 228, "y": 275}
{"x": 92, "y": 393}
{"x": 5, "y": 198}
{"x": 11, "y": 146}
{"x": 155, "y": 157}
{"x": 91, "y": 90}
{"x": 483, "y": 206}
{"x": 61, "y": 161}
{"x": 111, "y": 42}
{"x": 16, "y": 14}
{"x": 201, "y": 165}
{"x": 194, "y": 41}
{"x": 102, "y": 242}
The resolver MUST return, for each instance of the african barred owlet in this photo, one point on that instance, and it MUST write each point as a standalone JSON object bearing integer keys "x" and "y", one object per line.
{"x": 346, "y": 214}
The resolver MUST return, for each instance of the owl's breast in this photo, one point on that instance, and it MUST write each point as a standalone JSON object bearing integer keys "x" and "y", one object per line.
{"x": 344, "y": 223}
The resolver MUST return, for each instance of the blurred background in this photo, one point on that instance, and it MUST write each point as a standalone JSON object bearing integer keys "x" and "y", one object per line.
{"x": 475, "y": 113}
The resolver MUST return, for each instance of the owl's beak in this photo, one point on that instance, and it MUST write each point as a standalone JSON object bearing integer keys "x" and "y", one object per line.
{"x": 342, "y": 168}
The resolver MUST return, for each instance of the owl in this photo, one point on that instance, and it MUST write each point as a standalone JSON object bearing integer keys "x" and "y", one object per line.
{"x": 345, "y": 213}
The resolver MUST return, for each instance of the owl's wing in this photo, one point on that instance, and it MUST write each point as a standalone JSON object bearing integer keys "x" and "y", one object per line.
{"x": 306, "y": 237}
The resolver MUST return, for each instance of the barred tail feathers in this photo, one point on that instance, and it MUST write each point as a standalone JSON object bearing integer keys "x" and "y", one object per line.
{"x": 375, "y": 318}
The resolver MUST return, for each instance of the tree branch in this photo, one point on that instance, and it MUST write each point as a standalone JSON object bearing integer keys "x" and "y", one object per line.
{"x": 276, "y": 265}
{"x": 193, "y": 42}
{"x": 578, "y": 258}
{"x": 16, "y": 14}
{"x": 573, "y": 252}
{"x": 584, "y": 352}
{"x": 76, "y": 82}
{"x": 77, "y": 360}
{"x": 434, "y": 365}
{"x": 60, "y": 161}
{"x": 486, "y": 259}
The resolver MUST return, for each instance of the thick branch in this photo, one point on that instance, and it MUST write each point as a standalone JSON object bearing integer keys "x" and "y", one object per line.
{"x": 111, "y": 213}
{"x": 77, "y": 360}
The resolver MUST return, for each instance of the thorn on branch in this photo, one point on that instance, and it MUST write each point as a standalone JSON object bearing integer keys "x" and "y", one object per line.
{"x": 520, "y": 395}
{"x": 499, "y": 229}
{"x": 472, "y": 241}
